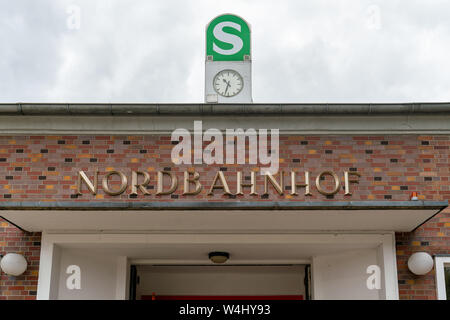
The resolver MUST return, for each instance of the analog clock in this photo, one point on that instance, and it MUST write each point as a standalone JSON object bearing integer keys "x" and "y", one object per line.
{"x": 228, "y": 83}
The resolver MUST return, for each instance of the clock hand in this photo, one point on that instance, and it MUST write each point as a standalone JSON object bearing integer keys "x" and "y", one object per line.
{"x": 228, "y": 85}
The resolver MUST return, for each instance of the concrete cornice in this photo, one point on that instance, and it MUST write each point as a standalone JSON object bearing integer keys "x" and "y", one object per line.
{"x": 239, "y": 205}
{"x": 263, "y": 109}
{"x": 302, "y": 119}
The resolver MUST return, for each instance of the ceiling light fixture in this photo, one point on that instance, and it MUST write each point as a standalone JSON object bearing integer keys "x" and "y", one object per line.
{"x": 218, "y": 257}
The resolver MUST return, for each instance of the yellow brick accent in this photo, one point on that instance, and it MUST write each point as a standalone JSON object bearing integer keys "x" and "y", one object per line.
{"x": 371, "y": 197}
{"x": 396, "y": 188}
{"x": 3, "y": 224}
{"x": 152, "y": 169}
{"x": 327, "y": 142}
{"x": 428, "y": 174}
{"x": 2, "y": 244}
{"x": 12, "y": 141}
{"x": 368, "y": 143}
{"x": 400, "y": 252}
{"x": 312, "y": 151}
{"x": 415, "y": 243}
{"x": 73, "y": 187}
{"x": 70, "y": 146}
{"x": 411, "y": 178}
{"x": 67, "y": 177}
{"x": 410, "y": 281}
{"x": 377, "y": 169}
{"x": 99, "y": 196}
{"x": 109, "y": 169}
{"x": 49, "y": 187}
{"x": 447, "y": 224}
{"x": 441, "y": 234}
{"x": 6, "y": 186}
{"x": 134, "y": 160}
{"x": 84, "y": 155}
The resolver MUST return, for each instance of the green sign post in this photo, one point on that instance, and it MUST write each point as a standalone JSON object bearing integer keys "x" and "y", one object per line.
{"x": 228, "y": 39}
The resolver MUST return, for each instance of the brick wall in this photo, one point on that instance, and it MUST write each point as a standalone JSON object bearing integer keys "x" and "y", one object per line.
{"x": 45, "y": 168}
{"x": 28, "y": 244}
{"x": 432, "y": 237}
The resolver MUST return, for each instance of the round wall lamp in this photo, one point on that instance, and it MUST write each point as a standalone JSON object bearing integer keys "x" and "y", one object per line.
{"x": 13, "y": 264}
{"x": 218, "y": 257}
{"x": 420, "y": 263}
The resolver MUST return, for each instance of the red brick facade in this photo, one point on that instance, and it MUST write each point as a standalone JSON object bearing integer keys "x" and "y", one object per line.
{"x": 432, "y": 237}
{"x": 44, "y": 168}
{"x": 28, "y": 244}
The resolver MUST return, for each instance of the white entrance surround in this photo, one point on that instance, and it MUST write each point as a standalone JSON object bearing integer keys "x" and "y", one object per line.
{"x": 105, "y": 258}
{"x": 440, "y": 263}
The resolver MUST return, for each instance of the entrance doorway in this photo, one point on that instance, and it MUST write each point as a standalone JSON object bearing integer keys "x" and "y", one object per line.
{"x": 225, "y": 282}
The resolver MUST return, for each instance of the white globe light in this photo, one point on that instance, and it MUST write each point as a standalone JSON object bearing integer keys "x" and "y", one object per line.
{"x": 13, "y": 264}
{"x": 420, "y": 263}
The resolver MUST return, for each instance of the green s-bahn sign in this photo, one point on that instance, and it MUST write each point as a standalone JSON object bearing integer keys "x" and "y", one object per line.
{"x": 228, "y": 38}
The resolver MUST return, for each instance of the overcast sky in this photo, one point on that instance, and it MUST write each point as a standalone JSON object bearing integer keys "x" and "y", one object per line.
{"x": 153, "y": 51}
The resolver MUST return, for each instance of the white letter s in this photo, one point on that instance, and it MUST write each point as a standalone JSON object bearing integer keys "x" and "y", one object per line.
{"x": 227, "y": 38}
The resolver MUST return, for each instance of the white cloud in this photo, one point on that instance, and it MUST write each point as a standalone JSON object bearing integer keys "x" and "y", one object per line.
{"x": 153, "y": 51}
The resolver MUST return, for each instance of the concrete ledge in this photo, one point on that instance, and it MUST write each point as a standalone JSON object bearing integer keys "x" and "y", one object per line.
{"x": 236, "y": 205}
{"x": 220, "y": 109}
{"x": 225, "y": 217}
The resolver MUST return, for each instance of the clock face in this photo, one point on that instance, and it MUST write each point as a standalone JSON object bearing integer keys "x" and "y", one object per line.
{"x": 228, "y": 83}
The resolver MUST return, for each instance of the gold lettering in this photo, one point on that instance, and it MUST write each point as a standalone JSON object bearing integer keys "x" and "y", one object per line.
{"x": 347, "y": 181}
{"x": 278, "y": 186}
{"x": 82, "y": 177}
{"x": 336, "y": 182}
{"x": 294, "y": 184}
{"x": 224, "y": 186}
{"x": 123, "y": 183}
{"x": 160, "y": 187}
{"x": 194, "y": 180}
{"x": 141, "y": 186}
{"x": 241, "y": 185}
{"x": 192, "y": 185}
